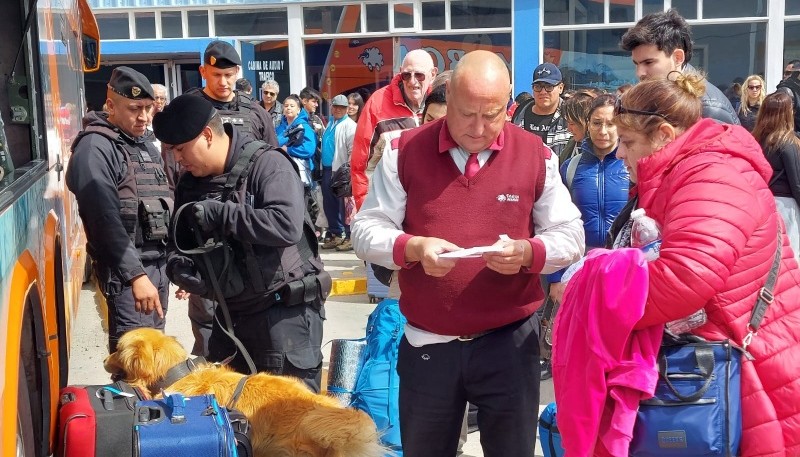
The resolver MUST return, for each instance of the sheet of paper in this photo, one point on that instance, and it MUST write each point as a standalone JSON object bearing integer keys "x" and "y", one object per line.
{"x": 470, "y": 252}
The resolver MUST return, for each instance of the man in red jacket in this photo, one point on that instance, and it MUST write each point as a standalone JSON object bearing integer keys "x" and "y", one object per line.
{"x": 388, "y": 111}
{"x": 467, "y": 180}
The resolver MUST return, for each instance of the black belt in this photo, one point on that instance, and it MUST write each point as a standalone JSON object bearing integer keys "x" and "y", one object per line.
{"x": 475, "y": 336}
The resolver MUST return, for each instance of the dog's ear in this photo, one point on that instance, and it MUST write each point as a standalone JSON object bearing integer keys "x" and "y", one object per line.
{"x": 112, "y": 365}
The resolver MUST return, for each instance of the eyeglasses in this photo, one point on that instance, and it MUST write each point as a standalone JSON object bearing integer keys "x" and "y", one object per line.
{"x": 754, "y": 87}
{"x": 161, "y": 98}
{"x": 418, "y": 75}
{"x": 619, "y": 109}
{"x": 547, "y": 87}
{"x": 271, "y": 94}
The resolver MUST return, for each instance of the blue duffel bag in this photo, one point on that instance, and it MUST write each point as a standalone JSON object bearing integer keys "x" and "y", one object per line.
{"x": 696, "y": 409}
{"x": 179, "y": 425}
{"x": 549, "y": 435}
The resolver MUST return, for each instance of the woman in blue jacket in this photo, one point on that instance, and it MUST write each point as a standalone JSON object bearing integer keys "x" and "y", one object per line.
{"x": 297, "y": 136}
{"x": 597, "y": 180}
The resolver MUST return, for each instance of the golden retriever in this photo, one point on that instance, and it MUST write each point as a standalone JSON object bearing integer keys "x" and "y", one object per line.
{"x": 287, "y": 419}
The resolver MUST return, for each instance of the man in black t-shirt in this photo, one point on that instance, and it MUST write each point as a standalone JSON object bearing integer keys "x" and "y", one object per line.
{"x": 541, "y": 115}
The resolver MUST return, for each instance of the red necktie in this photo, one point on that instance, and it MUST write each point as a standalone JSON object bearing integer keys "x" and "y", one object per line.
{"x": 472, "y": 167}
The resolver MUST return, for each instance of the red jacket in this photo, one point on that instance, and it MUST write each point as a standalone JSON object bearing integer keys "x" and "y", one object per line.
{"x": 708, "y": 190}
{"x": 385, "y": 111}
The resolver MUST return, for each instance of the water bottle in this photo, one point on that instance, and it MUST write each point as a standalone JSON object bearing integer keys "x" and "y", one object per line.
{"x": 646, "y": 235}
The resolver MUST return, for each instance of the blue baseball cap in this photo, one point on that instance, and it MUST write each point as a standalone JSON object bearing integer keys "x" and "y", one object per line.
{"x": 547, "y": 73}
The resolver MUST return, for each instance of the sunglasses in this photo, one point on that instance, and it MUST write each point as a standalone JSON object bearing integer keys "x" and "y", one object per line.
{"x": 271, "y": 94}
{"x": 547, "y": 87}
{"x": 754, "y": 87}
{"x": 418, "y": 75}
{"x": 619, "y": 109}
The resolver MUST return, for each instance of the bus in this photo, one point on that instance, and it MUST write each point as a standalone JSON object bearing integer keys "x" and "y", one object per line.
{"x": 47, "y": 46}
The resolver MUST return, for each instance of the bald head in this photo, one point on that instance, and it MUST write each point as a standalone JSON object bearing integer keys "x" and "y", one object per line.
{"x": 476, "y": 100}
{"x": 482, "y": 69}
{"x": 418, "y": 58}
{"x": 417, "y": 72}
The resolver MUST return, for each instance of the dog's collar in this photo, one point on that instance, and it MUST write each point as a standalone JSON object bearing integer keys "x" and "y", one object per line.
{"x": 177, "y": 372}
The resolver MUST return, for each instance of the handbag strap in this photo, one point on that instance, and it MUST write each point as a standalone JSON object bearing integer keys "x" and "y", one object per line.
{"x": 765, "y": 296}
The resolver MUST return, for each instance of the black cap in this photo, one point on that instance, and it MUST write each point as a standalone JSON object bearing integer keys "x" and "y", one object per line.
{"x": 183, "y": 119}
{"x": 221, "y": 55}
{"x": 130, "y": 83}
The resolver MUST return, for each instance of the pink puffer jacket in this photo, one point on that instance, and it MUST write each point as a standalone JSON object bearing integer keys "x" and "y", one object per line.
{"x": 708, "y": 190}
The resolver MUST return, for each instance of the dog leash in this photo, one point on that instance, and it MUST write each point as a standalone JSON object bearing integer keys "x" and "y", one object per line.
{"x": 228, "y": 327}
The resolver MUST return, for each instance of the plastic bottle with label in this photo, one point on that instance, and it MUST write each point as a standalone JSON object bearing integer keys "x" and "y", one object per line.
{"x": 646, "y": 235}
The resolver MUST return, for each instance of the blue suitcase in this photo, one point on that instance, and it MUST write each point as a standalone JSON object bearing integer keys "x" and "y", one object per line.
{"x": 179, "y": 425}
{"x": 549, "y": 435}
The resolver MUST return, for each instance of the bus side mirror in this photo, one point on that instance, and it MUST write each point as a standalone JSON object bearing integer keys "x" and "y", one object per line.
{"x": 90, "y": 37}
{"x": 91, "y": 53}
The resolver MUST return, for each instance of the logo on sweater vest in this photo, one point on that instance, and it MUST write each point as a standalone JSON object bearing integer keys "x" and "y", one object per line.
{"x": 513, "y": 198}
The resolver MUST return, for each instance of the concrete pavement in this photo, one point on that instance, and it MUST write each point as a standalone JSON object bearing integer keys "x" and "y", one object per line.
{"x": 347, "y": 310}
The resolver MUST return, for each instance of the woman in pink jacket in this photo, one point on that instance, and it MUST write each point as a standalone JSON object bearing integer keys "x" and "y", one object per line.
{"x": 706, "y": 185}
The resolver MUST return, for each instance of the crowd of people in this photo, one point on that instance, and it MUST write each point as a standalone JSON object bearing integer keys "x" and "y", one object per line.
{"x": 438, "y": 163}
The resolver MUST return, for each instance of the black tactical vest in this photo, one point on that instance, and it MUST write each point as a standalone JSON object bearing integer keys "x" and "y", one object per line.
{"x": 144, "y": 196}
{"x": 238, "y": 113}
{"x": 249, "y": 272}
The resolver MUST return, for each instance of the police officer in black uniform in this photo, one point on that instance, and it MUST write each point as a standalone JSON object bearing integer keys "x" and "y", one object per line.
{"x": 247, "y": 198}
{"x": 124, "y": 202}
{"x": 220, "y": 71}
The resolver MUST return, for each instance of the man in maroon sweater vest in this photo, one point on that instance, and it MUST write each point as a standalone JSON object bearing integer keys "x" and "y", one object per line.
{"x": 455, "y": 183}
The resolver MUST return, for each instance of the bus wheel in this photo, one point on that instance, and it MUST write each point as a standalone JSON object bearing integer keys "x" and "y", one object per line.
{"x": 25, "y": 436}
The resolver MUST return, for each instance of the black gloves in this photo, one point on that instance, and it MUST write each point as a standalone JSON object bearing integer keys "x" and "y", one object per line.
{"x": 208, "y": 214}
{"x": 182, "y": 272}
{"x": 295, "y": 135}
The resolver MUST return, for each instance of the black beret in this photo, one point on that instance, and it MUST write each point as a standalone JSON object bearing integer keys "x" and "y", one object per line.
{"x": 221, "y": 54}
{"x": 130, "y": 83}
{"x": 183, "y": 119}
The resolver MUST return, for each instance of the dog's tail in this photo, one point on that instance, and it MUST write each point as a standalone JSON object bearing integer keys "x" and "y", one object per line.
{"x": 343, "y": 432}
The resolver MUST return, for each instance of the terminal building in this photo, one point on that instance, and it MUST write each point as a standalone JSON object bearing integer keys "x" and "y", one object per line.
{"x": 346, "y": 46}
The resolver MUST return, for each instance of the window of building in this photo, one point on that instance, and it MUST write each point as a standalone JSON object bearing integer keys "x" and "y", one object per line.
{"x": 652, "y": 6}
{"x": 198, "y": 23}
{"x": 377, "y": 17}
{"x": 590, "y": 58}
{"x": 343, "y": 66}
{"x": 251, "y": 22}
{"x": 433, "y": 16}
{"x": 729, "y": 51}
{"x": 566, "y": 12}
{"x": 332, "y": 19}
{"x": 620, "y": 11}
{"x": 467, "y": 14}
{"x": 270, "y": 62}
{"x": 145, "y": 25}
{"x": 171, "y": 26}
{"x": 792, "y": 8}
{"x": 687, "y": 8}
{"x": 791, "y": 42}
{"x": 734, "y": 9}
{"x": 113, "y": 26}
{"x": 403, "y": 15}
